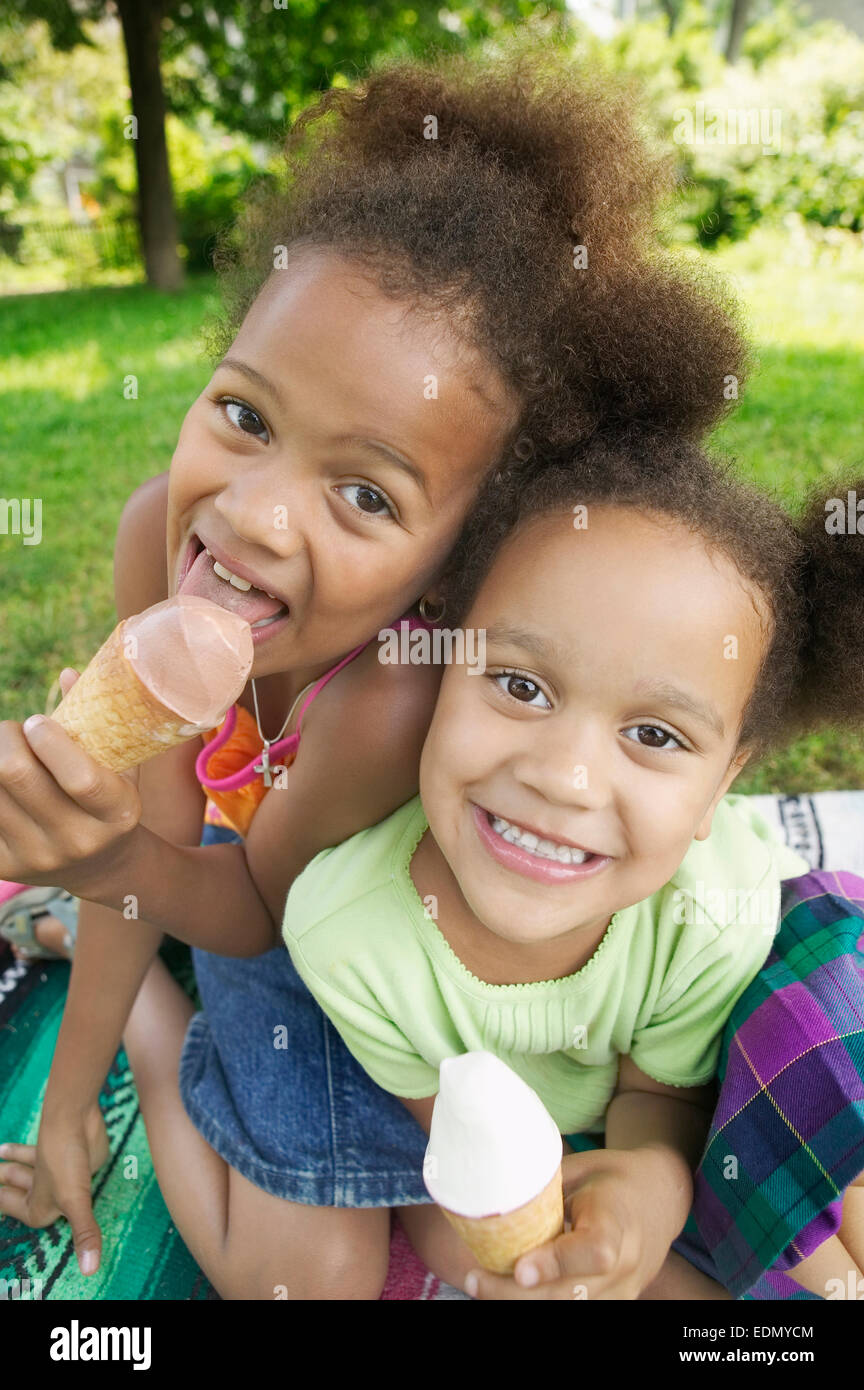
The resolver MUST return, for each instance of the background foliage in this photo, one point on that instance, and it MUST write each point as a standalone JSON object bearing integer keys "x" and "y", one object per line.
{"x": 785, "y": 222}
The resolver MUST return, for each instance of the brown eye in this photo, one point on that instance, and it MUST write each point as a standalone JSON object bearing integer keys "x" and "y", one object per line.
{"x": 364, "y": 498}
{"x": 370, "y": 501}
{"x": 652, "y": 736}
{"x": 243, "y": 417}
{"x": 520, "y": 688}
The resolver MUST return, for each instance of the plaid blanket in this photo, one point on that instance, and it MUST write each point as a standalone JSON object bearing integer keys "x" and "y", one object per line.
{"x": 787, "y": 1135}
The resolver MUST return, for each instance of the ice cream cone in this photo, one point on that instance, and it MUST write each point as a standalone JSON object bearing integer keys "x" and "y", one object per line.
{"x": 113, "y": 716}
{"x": 119, "y": 721}
{"x": 499, "y": 1240}
{"x": 492, "y": 1147}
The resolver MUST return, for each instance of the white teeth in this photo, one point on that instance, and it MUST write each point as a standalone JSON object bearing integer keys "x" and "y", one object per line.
{"x": 544, "y": 849}
{"x": 242, "y": 584}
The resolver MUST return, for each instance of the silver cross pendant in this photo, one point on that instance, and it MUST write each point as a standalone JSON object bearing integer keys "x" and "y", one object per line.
{"x": 264, "y": 766}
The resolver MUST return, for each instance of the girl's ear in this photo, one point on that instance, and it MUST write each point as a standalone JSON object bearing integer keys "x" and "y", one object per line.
{"x": 731, "y": 773}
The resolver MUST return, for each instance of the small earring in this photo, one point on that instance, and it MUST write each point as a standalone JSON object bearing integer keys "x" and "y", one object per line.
{"x": 429, "y": 617}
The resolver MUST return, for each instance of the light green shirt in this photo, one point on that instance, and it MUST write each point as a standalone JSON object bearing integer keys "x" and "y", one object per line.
{"x": 659, "y": 987}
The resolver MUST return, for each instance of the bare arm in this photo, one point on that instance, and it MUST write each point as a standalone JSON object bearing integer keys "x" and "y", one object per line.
{"x": 670, "y": 1121}
{"x": 110, "y": 960}
{"x": 112, "y": 955}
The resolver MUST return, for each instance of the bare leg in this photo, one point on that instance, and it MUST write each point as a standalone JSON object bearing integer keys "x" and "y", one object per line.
{"x": 841, "y": 1257}
{"x": 249, "y": 1244}
{"x": 437, "y": 1244}
{"x": 678, "y": 1279}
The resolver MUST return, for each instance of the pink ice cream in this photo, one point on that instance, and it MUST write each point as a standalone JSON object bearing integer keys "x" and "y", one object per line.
{"x": 193, "y": 655}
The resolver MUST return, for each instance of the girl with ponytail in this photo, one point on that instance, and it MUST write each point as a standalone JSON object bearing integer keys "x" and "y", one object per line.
{"x": 607, "y": 920}
{"x": 457, "y": 280}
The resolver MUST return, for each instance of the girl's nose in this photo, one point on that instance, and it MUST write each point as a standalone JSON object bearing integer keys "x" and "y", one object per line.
{"x": 566, "y": 762}
{"x": 265, "y": 511}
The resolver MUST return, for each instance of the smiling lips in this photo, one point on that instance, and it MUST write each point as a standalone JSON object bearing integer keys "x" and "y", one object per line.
{"x": 528, "y": 854}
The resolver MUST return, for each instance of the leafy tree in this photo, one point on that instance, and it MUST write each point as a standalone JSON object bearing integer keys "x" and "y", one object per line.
{"x": 253, "y": 64}
{"x": 738, "y": 21}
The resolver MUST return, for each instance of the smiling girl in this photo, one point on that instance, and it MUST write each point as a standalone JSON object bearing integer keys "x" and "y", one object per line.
{"x": 406, "y": 316}
{"x": 528, "y": 903}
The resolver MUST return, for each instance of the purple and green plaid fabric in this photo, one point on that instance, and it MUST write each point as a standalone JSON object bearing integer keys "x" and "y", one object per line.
{"x": 787, "y": 1136}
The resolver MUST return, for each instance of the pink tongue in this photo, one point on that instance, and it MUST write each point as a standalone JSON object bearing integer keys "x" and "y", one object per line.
{"x": 203, "y": 582}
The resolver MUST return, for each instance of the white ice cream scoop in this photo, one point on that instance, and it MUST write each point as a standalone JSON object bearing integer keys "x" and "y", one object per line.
{"x": 493, "y": 1146}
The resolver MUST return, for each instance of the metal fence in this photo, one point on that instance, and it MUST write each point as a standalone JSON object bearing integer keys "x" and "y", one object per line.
{"x": 106, "y": 241}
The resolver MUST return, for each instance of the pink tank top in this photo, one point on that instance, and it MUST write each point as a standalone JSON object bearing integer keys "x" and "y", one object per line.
{"x": 234, "y": 766}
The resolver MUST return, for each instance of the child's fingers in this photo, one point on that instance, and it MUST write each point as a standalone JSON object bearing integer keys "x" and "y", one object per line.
{"x": 75, "y": 1201}
{"x": 21, "y": 842}
{"x": 27, "y": 786}
{"x": 97, "y": 790}
{"x": 16, "y": 1175}
{"x": 18, "y": 1153}
{"x": 86, "y": 1235}
{"x": 576, "y": 1253}
{"x": 585, "y": 1253}
{"x": 14, "y": 1201}
{"x": 482, "y": 1285}
{"x": 68, "y": 677}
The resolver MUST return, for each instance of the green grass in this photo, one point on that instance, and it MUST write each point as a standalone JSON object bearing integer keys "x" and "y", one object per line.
{"x": 67, "y": 435}
{"x": 800, "y": 423}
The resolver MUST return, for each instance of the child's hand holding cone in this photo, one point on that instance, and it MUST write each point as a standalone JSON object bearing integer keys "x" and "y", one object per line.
{"x": 69, "y": 804}
{"x": 494, "y": 1165}
{"x": 62, "y": 815}
{"x": 616, "y": 1241}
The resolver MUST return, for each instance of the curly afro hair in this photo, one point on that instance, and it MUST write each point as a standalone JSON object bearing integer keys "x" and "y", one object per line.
{"x": 468, "y": 188}
{"x": 809, "y": 569}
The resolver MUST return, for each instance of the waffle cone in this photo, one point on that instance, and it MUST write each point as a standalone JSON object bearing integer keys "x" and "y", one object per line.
{"x": 114, "y": 716}
{"x": 498, "y": 1241}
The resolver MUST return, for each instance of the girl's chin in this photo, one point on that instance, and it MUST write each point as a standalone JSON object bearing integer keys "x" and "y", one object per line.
{"x": 498, "y": 918}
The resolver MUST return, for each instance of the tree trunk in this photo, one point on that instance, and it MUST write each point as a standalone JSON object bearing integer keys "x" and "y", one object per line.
{"x": 737, "y": 28}
{"x": 142, "y": 21}
{"x": 672, "y": 10}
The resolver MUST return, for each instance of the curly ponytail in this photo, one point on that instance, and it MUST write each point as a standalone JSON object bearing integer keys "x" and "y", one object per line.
{"x": 469, "y": 187}
{"x": 830, "y": 685}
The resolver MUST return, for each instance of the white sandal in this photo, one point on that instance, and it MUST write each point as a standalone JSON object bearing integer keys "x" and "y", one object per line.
{"x": 19, "y": 915}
